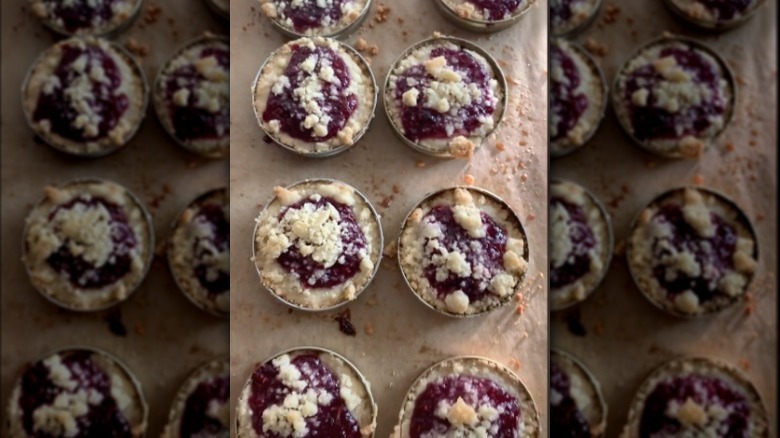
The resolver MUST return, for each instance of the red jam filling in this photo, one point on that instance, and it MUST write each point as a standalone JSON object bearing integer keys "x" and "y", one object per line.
{"x": 727, "y": 9}
{"x": 191, "y": 122}
{"x": 420, "y": 122}
{"x": 332, "y": 420}
{"x": 213, "y": 217}
{"x": 474, "y": 391}
{"x": 83, "y": 274}
{"x": 567, "y": 105}
{"x": 336, "y": 105}
{"x": 195, "y": 421}
{"x": 82, "y": 14}
{"x": 582, "y": 240}
{"x": 105, "y": 101}
{"x": 313, "y": 16}
{"x": 487, "y": 252}
{"x": 313, "y": 274}
{"x": 497, "y": 9}
{"x": 103, "y": 419}
{"x": 652, "y": 123}
{"x": 715, "y": 254}
{"x": 566, "y": 419}
{"x": 705, "y": 391}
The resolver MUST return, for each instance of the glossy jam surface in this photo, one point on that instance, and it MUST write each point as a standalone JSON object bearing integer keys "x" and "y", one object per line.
{"x": 198, "y": 419}
{"x": 715, "y": 254}
{"x": 421, "y": 122}
{"x": 332, "y": 419}
{"x": 487, "y": 252}
{"x": 77, "y": 15}
{"x": 476, "y": 392}
{"x": 313, "y": 274}
{"x": 104, "y": 98}
{"x": 705, "y": 391}
{"x": 192, "y": 121}
{"x": 650, "y": 122}
{"x": 314, "y": 14}
{"x": 335, "y": 103}
{"x": 39, "y": 389}
{"x": 497, "y": 9}
{"x": 83, "y": 274}
{"x": 566, "y": 419}
{"x": 727, "y": 9}
{"x": 213, "y": 278}
{"x": 583, "y": 241}
{"x": 567, "y": 104}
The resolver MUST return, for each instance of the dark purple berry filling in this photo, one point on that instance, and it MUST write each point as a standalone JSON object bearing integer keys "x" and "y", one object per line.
{"x": 335, "y": 103}
{"x": 105, "y": 101}
{"x": 705, "y": 391}
{"x": 420, "y": 122}
{"x": 331, "y": 420}
{"x": 566, "y": 420}
{"x": 727, "y": 9}
{"x": 583, "y": 241}
{"x": 312, "y": 16}
{"x": 475, "y": 391}
{"x": 497, "y": 9}
{"x": 103, "y": 419}
{"x": 714, "y": 254}
{"x": 195, "y": 420}
{"x": 82, "y": 14}
{"x": 313, "y": 274}
{"x": 83, "y": 274}
{"x": 213, "y": 217}
{"x": 487, "y": 251}
{"x": 653, "y": 123}
{"x": 567, "y": 105}
{"x": 191, "y": 122}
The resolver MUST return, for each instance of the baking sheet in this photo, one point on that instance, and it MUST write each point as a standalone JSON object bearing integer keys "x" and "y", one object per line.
{"x": 167, "y": 336}
{"x": 626, "y": 336}
{"x": 406, "y": 337}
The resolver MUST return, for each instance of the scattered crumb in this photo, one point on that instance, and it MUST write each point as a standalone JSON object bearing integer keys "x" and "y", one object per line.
{"x": 136, "y": 48}
{"x": 361, "y": 45}
{"x": 744, "y": 364}
{"x": 530, "y": 217}
{"x": 152, "y": 13}
{"x": 730, "y": 147}
{"x": 139, "y": 329}
{"x": 651, "y": 164}
{"x": 520, "y": 308}
{"x": 750, "y": 303}
{"x": 382, "y": 13}
{"x": 598, "y": 329}
{"x": 437, "y": 34}
{"x": 420, "y": 164}
{"x": 468, "y": 179}
{"x": 596, "y": 48}
{"x": 611, "y": 13}
{"x": 160, "y": 248}
{"x": 698, "y": 179}
{"x": 620, "y": 248}
{"x": 391, "y": 249}
{"x": 515, "y": 363}
{"x": 500, "y": 147}
{"x": 369, "y": 328}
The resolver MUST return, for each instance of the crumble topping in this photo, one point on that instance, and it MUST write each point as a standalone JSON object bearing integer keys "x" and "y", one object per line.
{"x": 315, "y": 95}
{"x": 444, "y": 97}
{"x": 87, "y": 244}
{"x": 569, "y": 15}
{"x": 692, "y": 252}
{"x": 313, "y": 17}
{"x": 317, "y": 244}
{"x": 463, "y": 252}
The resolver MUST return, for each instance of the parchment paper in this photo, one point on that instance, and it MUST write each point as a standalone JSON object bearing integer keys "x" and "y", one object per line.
{"x": 167, "y": 336}
{"x": 407, "y": 337}
{"x": 626, "y": 336}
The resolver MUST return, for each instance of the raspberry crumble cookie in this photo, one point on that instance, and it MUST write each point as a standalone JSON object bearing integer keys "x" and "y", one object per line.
{"x": 192, "y": 96}
{"x": 580, "y": 243}
{"x": 463, "y": 251}
{"x": 468, "y": 397}
{"x": 570, "y": 16}
{"x": 303, "y": 393}
{"x": 85, "y": 96}
{"x": 199, "y": 252}
{"x": 674, "y": 97}
{"x": 202, "y": 407}
{"x": 85, "y": 17}
{"x": 692, "y": 252}
{"x": 715, "y": 14}
{"x": 578, "y": 97}
{"x": 317, "y": 244}
{"x": 445, "y": 96}
{"x": 577, "y": 407}
{"x": 77, "y": 393}
{"x": 325, "y": 18}
{"x": 315, "y": 96}
{"x": 696, "y": 397}
{"x": 87, "y": 244}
